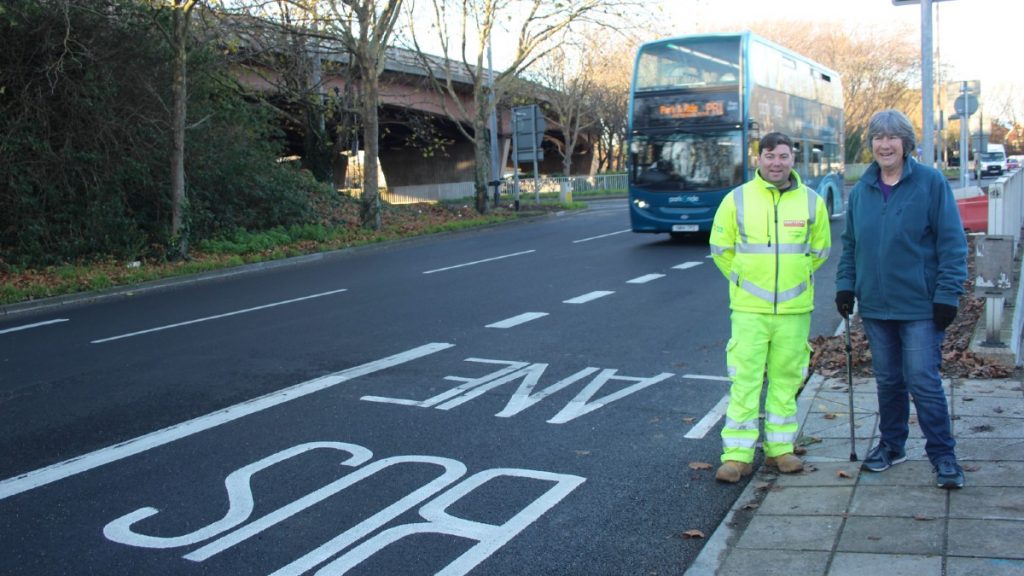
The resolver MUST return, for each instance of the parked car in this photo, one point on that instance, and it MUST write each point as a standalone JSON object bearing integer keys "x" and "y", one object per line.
{"x": 1012, "y": 164}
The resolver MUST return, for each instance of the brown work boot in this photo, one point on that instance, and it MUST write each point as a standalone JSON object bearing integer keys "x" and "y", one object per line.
{"x": 731, "y": 471}
{"x": 786, "y": 463}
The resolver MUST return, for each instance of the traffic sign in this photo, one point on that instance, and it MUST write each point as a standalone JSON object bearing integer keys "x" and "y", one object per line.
{"x": 965, "y": 104}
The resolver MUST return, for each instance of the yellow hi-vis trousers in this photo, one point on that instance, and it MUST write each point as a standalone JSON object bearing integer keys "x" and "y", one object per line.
{"x": 778, "y": 342}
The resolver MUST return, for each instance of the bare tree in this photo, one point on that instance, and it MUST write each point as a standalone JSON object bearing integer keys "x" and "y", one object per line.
{"x": 475, "y": 21}
{"x": 364, "y": 27}
{"x": 565, "y": 82}
{"x": 878, "y": 68}
{"x": 610, "y": 101}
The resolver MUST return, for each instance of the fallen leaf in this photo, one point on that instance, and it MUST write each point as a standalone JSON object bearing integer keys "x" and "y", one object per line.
{"x": 808, "y": 440}
{"x": 998, "y": 410}
{"x": 982, "y": 428}
{"x": 700, "y": 466}
{"x": 829, "y": 416}
{"x": 689, "y": 534}
{"x": 751, "y": 506}
{"x": 968, "y": 399}
{"x": 922, "y": 517}
{"x": 689, "y": 419}
{"x": 843, "y": 474}
{"x": 971, "y": 467}
{"x": 799, "y": 450}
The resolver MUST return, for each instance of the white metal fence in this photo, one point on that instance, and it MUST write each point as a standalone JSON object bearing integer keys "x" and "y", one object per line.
{"x": 528, "y": 188}
{"x": 1005, "y": 217}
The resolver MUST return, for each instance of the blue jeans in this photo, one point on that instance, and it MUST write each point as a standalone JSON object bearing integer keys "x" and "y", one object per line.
{"x": 905, "y": 355}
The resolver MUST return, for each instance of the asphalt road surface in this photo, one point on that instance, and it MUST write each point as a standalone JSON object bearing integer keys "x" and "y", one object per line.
{"x": 523, "y": 399}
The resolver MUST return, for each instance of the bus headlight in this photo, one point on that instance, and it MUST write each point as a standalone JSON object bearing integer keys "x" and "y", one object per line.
{"x": 641, "y": 204}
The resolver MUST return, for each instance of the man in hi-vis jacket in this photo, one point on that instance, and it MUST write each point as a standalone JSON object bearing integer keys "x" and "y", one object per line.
{"x": 768, "y": 238}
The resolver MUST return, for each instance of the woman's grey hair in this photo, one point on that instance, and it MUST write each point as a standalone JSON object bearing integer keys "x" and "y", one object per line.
{"x": 893, "y": 123}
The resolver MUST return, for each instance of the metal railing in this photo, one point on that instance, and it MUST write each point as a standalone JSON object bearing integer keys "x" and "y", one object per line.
{"x": 528, "y": 188}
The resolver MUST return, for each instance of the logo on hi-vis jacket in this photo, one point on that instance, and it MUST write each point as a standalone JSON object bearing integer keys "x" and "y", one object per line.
{"x": 794, "y": 223}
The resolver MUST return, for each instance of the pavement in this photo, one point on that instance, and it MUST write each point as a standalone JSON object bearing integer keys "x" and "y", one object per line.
{"x": 834, "y": 519}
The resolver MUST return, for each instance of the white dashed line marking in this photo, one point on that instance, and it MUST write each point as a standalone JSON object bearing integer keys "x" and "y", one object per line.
{"x": 645, "y": 278}
{"x": 588, "y": 297}
{"x": 686, "y": 265}
{"x": 517, "y": 320}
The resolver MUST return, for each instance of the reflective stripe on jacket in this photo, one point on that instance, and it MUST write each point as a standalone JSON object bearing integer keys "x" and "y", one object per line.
{"x": 769, "y": 243}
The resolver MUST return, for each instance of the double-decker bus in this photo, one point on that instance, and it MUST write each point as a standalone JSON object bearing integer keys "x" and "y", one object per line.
{"x": 698, "y": 107}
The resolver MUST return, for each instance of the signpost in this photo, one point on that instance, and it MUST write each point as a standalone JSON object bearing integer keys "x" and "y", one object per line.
{"x": 965, "y": 105}
{"x": 927, "y": 98}
{"x": 527, "y": 132}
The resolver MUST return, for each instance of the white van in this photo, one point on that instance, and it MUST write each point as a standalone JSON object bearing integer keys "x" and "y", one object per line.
{"x": 991, "y": 161}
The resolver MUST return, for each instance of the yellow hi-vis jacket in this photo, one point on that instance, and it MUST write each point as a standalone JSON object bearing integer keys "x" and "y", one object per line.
{"x": 769, "y": 243}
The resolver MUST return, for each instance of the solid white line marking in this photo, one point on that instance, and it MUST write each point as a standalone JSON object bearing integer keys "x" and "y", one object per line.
{"x": 645, "y": 278}
{"x": 36, "y": 325}
{"x": 703, "y": 377}
{"x": 517, "y": 320}
{"x": 588, "y": 297}
{"x": 479, "y": 261}
{"x": 601, "y": 236}
{"x": 686, "y": 265}
{"x": 709, "y": 420}
{"x": 197, "y": 320}
{"x": 77, "y": 465}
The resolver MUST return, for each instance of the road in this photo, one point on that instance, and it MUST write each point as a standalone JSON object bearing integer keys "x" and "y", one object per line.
{"x": 523, "y": 399}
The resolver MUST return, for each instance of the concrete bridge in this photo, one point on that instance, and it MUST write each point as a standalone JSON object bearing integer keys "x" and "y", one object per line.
{"x": 414, "y": 172}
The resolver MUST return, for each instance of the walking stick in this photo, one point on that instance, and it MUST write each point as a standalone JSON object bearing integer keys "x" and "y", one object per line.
{"x": 849, "y": 388}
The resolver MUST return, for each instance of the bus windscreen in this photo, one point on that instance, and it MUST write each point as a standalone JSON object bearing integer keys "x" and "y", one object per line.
{"x": 673, "y": 65}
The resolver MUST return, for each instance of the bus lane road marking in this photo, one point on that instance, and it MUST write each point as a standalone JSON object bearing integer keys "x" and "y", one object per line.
{"x": 36, "y": 325}
{"x": 138, "y": 445}
{"x": 447, "y": 485}
{"x": 217, "y": 316}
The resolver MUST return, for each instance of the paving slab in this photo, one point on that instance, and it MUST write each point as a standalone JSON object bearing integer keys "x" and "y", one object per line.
{"x": 857, "y": 564}
{"x": 773, "y": 563}
{"x": 986, "y": 538}
{"x": 987, "y": 503}
{"x": 982, "y": 567}
{"x": 807, "y": 500}
{"x": 790, "y": 533}
{"x": 905, "y": 501}
{"x": 882, "y": 535}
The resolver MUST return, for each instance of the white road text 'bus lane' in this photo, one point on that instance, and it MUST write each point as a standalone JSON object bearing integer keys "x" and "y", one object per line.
{"x": 524, "y": 396}
{"x": 221, "y": 535}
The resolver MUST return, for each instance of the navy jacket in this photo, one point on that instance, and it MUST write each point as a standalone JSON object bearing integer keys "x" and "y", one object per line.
{"x": 902, "y": 255}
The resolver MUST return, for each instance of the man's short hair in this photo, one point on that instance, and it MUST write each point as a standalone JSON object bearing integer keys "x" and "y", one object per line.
{"x": 772, "y": 139}
{"x": 893, "y": 123}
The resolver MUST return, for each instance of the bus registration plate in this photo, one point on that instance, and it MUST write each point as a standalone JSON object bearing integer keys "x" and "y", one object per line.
{"x": 684, "y": 228}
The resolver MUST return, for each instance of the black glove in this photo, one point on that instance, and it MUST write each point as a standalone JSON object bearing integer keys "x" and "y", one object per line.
{"x": 844, "y": 303}
{"x": 943, "y": 315}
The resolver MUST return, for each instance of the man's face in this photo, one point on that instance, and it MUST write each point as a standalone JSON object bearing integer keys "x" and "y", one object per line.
{"x": 776, "y": 164}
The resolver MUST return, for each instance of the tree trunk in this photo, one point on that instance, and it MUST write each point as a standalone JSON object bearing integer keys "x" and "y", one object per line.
{"x": 482, "y": 149}
{"x": 179, "y": 94}
{"x": 370, "y": 213}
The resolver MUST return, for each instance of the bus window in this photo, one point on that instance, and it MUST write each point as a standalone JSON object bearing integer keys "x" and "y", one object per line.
{"x": 817, "y": 158}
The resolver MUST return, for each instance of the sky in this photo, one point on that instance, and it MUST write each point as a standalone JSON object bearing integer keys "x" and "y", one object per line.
{"x": 974, "y": 38}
